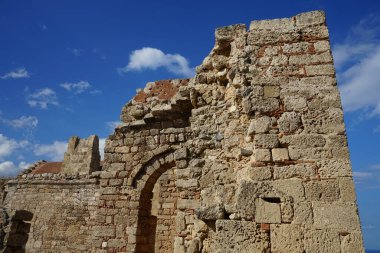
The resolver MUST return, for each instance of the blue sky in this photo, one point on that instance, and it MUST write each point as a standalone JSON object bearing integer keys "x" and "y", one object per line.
{"x": 68, "y": 67}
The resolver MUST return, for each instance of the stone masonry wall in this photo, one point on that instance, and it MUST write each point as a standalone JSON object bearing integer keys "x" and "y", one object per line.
{"x": 82, "y": 155}
{"x": 250, "y": 155}
{"x": 59, "y": 214}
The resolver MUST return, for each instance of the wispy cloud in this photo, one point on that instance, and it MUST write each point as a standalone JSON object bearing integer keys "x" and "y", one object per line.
{"x": 77, "y": 51}
{"x": 358, "y": 62}
{"x": 42, "y": 98}
{"x": 369, "y": 177}
{"x": 153, "y": 58}
{"x": 18, "y": 73}
{"x": 76, "y": 88}
{"x": 8, "y": 146}
{"x": 22, "y": 122}
{"x": 54, "y": 151}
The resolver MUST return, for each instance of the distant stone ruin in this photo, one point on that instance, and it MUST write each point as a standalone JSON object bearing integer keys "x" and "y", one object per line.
{"x": 249, "y": 156}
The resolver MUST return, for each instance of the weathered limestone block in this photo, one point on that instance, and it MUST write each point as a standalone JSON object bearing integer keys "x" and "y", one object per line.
{"x": 292, "y": 171}
{"x": 304, "y": 140}
{"x": 267, "y": 212}
{"x": 322, "y": 241}
{"x": 310, "y": 18}
{"x": 259, "y": 126}
{"x": 286, "y": 238}
{"x": 183, "y": 204}
{"x": 82, "y": 156}
{"x": 264, "y": 105}
{"x": 280, "y": 154}
{"x": 273, "y": 24}
{"x": 347, "y": 189}
{"x": 290, "y": 187}
{"x": 215, "y": 212}
{"x": 262, "y": 155}
{"x": 249, "y": 191}
{"x": 342, "y": 216}
{"x": 272, "y": 91}
{"x": 303, "y": 213}
{"x": 256, "y": 173}
{"x": 289, "y": 122}
{"x": 239, "y": 236}
{"x": 266, "y": 141}
{"x": 334, "y": 168}
{"x": 295, "y": 103}
{"x": 325, "y": 190}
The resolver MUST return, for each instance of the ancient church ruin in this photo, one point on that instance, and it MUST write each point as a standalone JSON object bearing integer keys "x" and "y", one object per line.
{"x": 250, "y": 156}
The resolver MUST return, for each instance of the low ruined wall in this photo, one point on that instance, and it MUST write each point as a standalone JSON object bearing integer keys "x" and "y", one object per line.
{"x": 59, "y": 214}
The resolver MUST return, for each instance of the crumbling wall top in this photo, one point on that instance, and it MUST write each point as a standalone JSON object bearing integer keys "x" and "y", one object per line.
{"x": 82, "y": 156}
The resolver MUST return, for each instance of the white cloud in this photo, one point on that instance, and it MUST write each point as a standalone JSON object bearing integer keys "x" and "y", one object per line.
{"x": 18, "y": 73}
{"x": 42, "y": 98}
{"x": 22, "y": 122}
{"x": 102, "y": 144}
{"x": 361, "y": 84}
{"x": 8, "y": 146}
{"x": 76, "y": 88}
{"x": 9, "y": 169}
{"x": 358, "y": 63}
{"x": 44, "y": 27}
{"x": 54, "y": 151}
{"x": 23, "y": 165}
{"x": 153, "y": 58}
{"x": 112, "y": 125}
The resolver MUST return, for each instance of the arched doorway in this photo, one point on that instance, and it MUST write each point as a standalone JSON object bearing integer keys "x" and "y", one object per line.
{"x": 157, "y": 210}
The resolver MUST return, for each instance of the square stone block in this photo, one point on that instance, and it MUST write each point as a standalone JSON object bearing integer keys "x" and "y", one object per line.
{"x": 286, "y": 238}
{"x": 267, "y": 212}
{"x": 261, "y": 155}
{"x": 280, "y": 154}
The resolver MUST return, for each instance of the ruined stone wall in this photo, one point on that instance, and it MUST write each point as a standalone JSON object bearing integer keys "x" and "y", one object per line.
{"x": 264, "y": 164}
{"x": 50, "y": 214}
{"x": 250, "y": 155}
{"x": 82, "y": 156}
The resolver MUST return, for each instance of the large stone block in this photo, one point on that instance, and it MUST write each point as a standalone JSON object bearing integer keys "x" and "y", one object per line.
{"x": 259, "y": 126}
{"x": 267, "y": 212}
{"x": 266, "y": 141}
{"x": 215, "y": 212}
{"x": 342, "y": 216}
{"x": 303, "y": 213}
{"x": 262, "y": 155}
{"x": 304, "y": 171}
{"x": 289, "y": 122}
{"x": 325, "y": 190}
{"x": 286, "y": 238}
{"x": 290, "y": 187}
{"x": 310, "y": 18}
{"x": 322, "y": 241}
{"x": 239, "y": 236}
{"x": 280, "y": 154}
